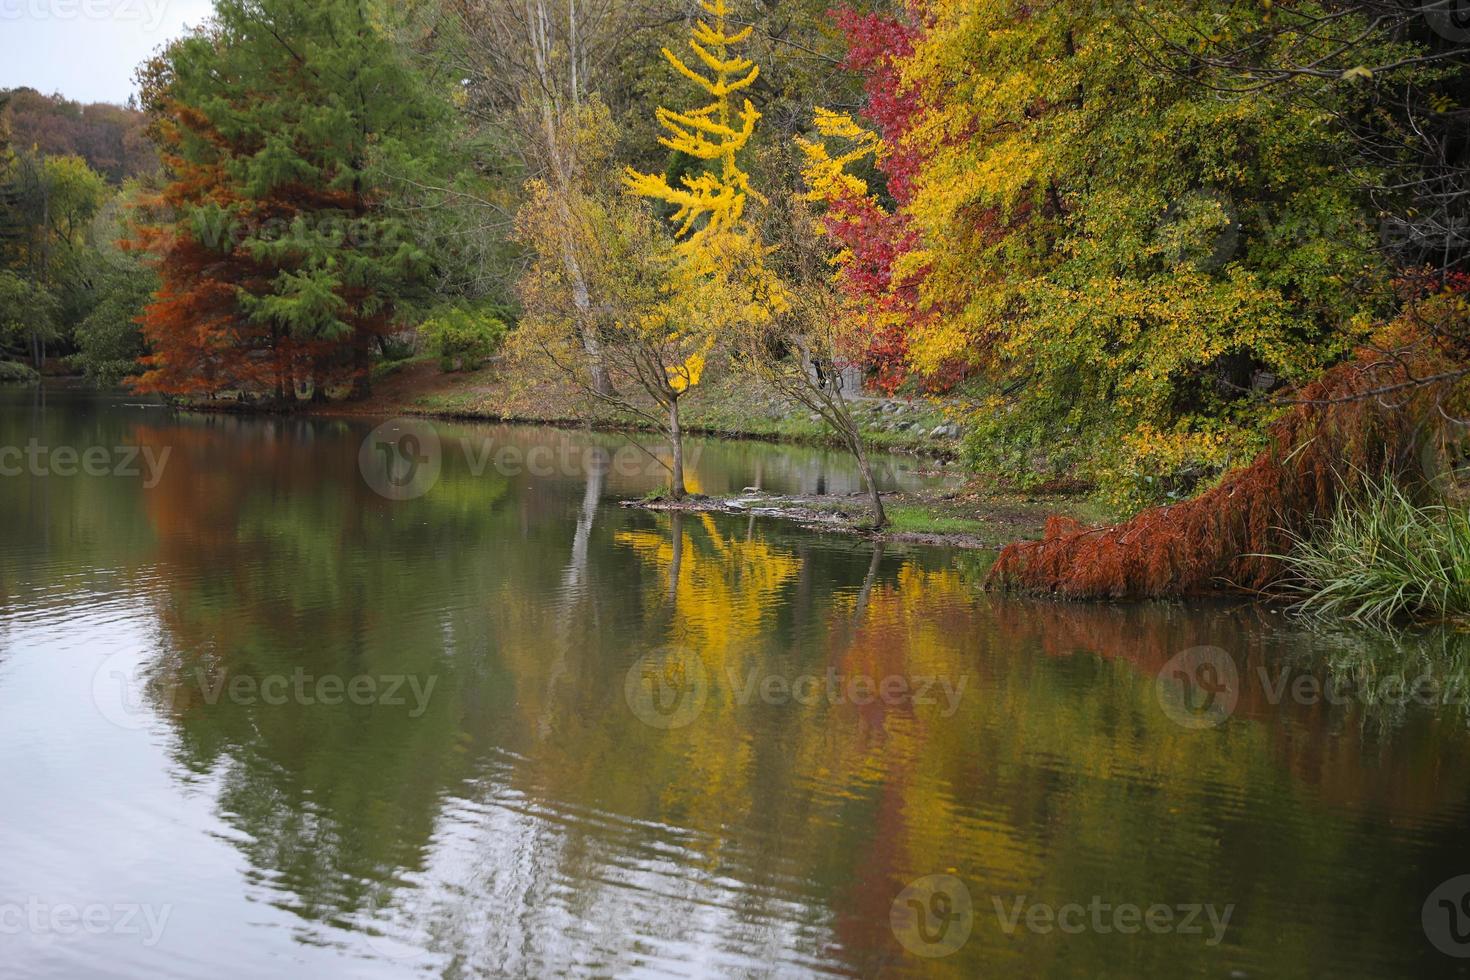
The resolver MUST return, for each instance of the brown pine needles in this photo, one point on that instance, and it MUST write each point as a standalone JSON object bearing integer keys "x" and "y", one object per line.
{"x": 1370, "y": 418}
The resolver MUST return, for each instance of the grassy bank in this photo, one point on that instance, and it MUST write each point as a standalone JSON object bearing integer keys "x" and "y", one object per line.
{"x": 724, "y": 407}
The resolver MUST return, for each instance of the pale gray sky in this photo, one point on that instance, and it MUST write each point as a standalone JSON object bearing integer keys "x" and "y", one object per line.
{"x": 87, "y": 49}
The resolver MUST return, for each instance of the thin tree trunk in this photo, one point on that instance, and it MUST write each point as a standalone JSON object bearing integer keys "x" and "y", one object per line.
{"x": 40, "y": 343}
{"x": 563, "y": 169}
{"x": 585, "y": 328}
{"x": 880, "y": 516}
{"x": 676, "y": 440}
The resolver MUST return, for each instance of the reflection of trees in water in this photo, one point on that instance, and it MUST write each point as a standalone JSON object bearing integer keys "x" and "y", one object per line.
{"x": 531, "y": 807}
{"x": 274, "y": 557}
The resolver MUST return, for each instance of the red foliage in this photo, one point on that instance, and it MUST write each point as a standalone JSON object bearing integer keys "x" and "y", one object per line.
{"x": 879, "y": 237}
{"x": 876, "y": 46}
{"x": 1367, "y": 417}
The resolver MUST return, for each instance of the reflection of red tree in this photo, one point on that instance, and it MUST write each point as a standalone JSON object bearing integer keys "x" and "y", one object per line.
{"x": 1306, "y": 739}
{"x": 914, "y": 767}
{"x": 897, "y": 630}
{"x": 225, "y": 582}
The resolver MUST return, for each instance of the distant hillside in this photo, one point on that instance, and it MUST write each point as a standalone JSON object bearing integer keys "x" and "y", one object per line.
{"x": 111, "y": 138}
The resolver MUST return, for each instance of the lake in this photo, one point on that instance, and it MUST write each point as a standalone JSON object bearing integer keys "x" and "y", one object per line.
{"x": 315, "y": 697}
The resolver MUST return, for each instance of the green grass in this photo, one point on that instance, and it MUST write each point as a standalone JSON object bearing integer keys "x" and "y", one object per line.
{"x": 1382, "y": 560}
{"x": 920, "y": 520}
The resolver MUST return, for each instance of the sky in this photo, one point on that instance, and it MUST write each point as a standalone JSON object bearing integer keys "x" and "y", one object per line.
{"x": 87, "y": 49}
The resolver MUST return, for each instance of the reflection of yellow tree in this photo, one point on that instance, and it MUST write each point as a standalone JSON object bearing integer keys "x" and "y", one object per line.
{"x": 724, "y": 592}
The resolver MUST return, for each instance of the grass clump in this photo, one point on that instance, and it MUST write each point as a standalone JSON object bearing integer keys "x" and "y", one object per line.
{"x": 921, "y": 520}
{"x": 1382, "y": 559}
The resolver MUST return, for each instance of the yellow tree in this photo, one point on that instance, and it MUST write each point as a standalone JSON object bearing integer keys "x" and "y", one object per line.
{"x": 712, "y": 202}
{"x": 644, "y": 291}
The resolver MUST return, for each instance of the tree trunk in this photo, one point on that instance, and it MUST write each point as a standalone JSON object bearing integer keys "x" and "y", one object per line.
{"x": 676, "y": 441}
{"x": 880, "y": 517}
{"x": 362, "y": 369}
{"x": 586, "y": 329}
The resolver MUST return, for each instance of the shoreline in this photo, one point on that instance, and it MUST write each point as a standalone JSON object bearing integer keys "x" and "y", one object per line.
{"x": 604, "y": 424}
{"x": 726, "y": 408}
{"x": 963, "y": 514}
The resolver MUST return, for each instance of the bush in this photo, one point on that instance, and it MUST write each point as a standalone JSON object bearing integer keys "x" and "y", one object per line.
{"x": 109, "y": 340}
{"x": 464, "y": 337}
{"x": 1382, "y": 559}
{"x": 13, "y": 372}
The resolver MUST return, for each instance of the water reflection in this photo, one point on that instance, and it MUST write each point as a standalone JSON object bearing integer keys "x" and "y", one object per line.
{"x": 865, "y": 718}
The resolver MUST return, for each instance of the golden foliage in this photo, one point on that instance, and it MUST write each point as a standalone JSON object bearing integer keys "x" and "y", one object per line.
{"x": 712, "y": 201}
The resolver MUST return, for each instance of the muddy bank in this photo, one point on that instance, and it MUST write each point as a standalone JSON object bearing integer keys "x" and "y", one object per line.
{"x": 953, "y": 519}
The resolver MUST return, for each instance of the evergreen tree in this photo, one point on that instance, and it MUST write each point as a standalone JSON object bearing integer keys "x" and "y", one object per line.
{"x": 287, "y": 128}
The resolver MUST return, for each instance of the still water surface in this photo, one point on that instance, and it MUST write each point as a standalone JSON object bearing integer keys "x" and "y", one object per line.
{"x": 595, "y": 741}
